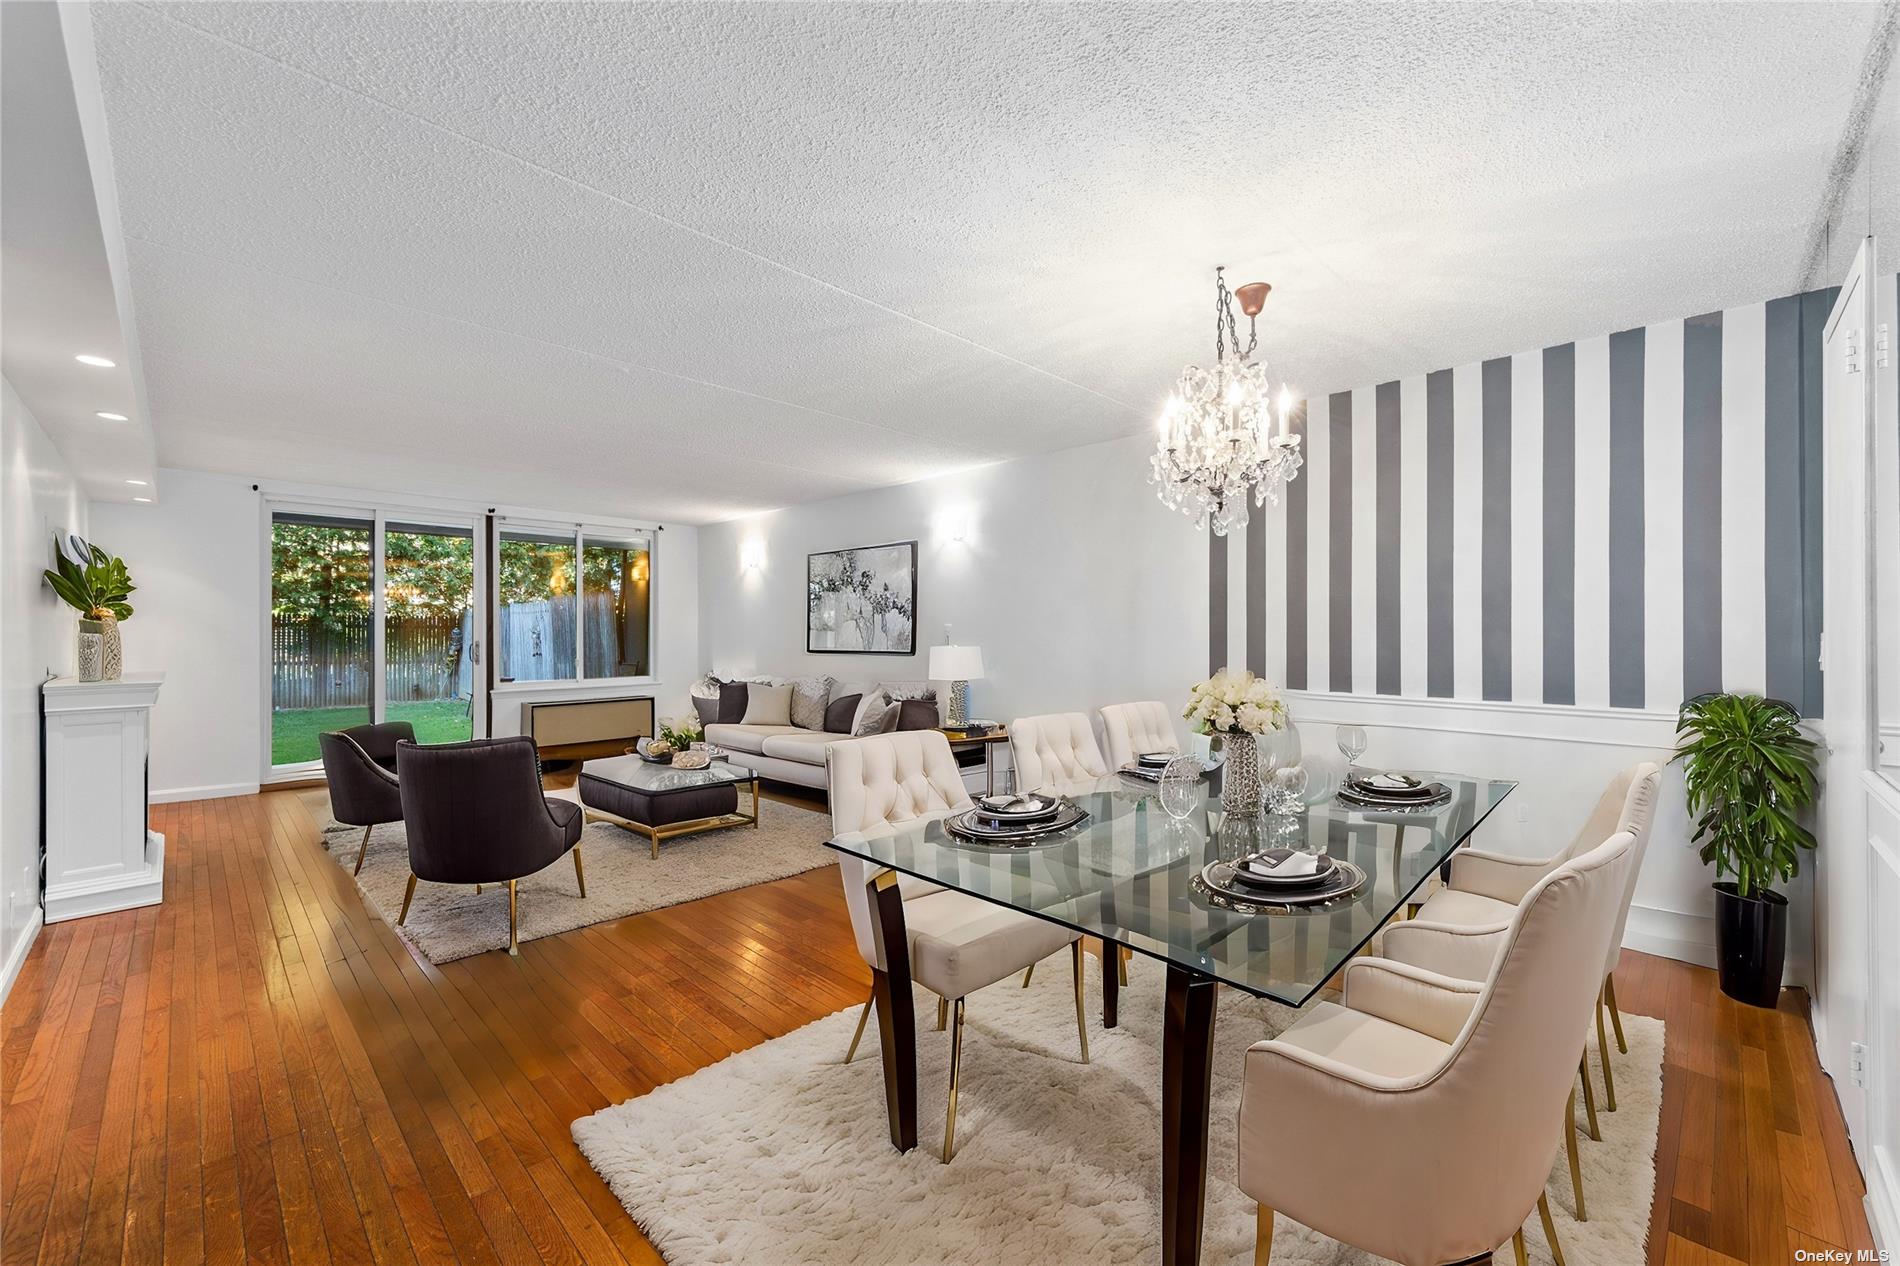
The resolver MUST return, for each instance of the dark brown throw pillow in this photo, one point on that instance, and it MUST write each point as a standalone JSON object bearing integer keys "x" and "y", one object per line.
{"x": 708, "y": 710}
{"x": 732, "y": 700}
{"x": 917, "y": 714}
{"x": 838, "y": 714}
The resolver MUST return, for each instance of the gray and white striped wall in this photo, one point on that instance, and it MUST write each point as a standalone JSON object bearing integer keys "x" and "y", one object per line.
{"x": 1618, "y": 522}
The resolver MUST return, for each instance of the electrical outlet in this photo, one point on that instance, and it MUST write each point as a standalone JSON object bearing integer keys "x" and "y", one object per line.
{"x": 1857, "y": 1063}
{"x": 1523, "y": 813}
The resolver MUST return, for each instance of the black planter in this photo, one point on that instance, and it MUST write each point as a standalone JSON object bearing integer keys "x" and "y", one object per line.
{"x": 1751, "y": 939}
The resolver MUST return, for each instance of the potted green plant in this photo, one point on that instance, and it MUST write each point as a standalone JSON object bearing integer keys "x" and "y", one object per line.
{"x": 1750, "y": 775}
{"x": 95, "y": 584}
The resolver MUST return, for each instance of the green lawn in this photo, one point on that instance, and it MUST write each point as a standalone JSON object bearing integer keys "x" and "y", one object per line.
{"x": 293, "y": 732}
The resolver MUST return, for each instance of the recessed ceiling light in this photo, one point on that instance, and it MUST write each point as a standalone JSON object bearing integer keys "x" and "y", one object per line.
{"x": 112, "y": 417}
{"x": 136, "y": 483}
{"x": 97, "y": 362}
{"x": 147, "y": 500}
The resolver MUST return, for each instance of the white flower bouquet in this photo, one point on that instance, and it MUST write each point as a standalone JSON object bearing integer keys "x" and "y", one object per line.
{"x": 1235, "y": 703}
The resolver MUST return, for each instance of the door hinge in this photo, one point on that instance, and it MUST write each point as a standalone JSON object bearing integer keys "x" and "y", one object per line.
{"x": 1851, "y": 348}
{"x": 1883, "y": 346}
{"x": 1857, "y": 1063}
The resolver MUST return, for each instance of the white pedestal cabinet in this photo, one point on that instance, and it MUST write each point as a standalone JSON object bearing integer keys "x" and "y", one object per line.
{"x": 100, "y": 854}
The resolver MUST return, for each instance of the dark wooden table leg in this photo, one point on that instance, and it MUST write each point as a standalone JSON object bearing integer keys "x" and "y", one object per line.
{"x": 1111, "y": 985}
{"x": 1187, "y": 1071}
{"x": 896, "y": 1021}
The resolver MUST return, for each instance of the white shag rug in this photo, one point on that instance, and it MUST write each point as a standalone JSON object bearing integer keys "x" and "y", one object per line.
{"x": 781, "y": 1153}
{"x": 447, "y": 922}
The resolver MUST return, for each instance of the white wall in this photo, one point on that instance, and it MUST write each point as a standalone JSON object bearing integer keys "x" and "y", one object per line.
{"x": 1080, "y": 588}
{"x": 38, "y": 497}
{"x": 197, "y": 555}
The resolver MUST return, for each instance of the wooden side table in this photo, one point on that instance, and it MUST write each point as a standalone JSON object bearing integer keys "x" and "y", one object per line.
{"x": 962, "y": 739}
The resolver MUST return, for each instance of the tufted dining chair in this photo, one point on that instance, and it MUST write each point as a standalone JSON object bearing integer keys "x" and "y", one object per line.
{"x": 1135, "y": 729}
{"x": 1054, "y": 751}
{"x": 957, "y": 943}
{"x": 359, "y": 764}
{"x": 1443, "y": 1096}
{"x": 1460, "y": 929}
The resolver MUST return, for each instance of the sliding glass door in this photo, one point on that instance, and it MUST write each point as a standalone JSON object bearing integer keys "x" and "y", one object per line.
{"x": 322, "y": 661}
{"x": 429, "y": 673}
{"x": 374, "y": 617}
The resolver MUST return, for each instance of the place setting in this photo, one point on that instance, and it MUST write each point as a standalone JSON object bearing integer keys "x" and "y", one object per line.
{"x": 1278, "y": 880}
{"x": 1390, "y": 791}
{"x": 1012, "y": 820}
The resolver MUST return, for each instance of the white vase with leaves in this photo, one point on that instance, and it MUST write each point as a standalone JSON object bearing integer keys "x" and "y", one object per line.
{"x": 96, "y": 585}
{"x": 1236, "y": 708}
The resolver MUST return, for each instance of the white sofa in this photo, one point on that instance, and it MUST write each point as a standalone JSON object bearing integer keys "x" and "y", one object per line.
{"x": 790, "y": 753}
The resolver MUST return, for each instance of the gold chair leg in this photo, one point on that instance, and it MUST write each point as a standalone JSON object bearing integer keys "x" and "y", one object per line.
{"x": 1603, "y": 1049}
{"x": 362, "y": 850}
{"x": 1121, "y": 967}
{"x": 514, "y": 946}
{"x": 943, "y": 1013}
{"x": 859, "y": 1035}
{"x": 408, "y": 895}
{"x": 478, "y": 890}
{"x": 1616, "y": 1017}
{"x": 956, "y": 1066}
{"x": 580, "y": 876}
{"x": 1027, "y": 973}
{"x": 1517, "y": 1247}
{"x": 1262, "y": 1235}
{"x": 1570, "y": 1145}
{"x": 1589, "y": 1097}
{"x": 1550, "y": 1230}
{"x": 1081, "y": 1016}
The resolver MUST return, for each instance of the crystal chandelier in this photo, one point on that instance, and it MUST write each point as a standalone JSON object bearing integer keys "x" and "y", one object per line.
{"x": 1218, "y": 439}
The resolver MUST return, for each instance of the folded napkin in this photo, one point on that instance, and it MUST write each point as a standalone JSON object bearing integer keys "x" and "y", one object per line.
{"x": 1389, "y": 782}
{"x": 1006, "y": 803}
{"x": 1288, "y": 867}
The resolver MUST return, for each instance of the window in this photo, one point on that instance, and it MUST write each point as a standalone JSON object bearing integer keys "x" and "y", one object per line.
{"x": 322, "y": 661}
{"x": 552, "y": 618}
{"x": 616, "y": 580}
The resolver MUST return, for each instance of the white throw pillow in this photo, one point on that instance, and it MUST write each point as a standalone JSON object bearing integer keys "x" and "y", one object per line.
{"x": 768, "y": 705}
{"x": 870, "y": 714}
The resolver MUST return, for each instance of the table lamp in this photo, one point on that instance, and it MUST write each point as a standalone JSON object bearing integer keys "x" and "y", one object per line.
{"x": 958, "y": 665}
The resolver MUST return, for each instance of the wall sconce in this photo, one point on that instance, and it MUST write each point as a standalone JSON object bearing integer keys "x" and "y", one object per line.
{"x": 959, "y": 529}
{"x": 752, "y": 556}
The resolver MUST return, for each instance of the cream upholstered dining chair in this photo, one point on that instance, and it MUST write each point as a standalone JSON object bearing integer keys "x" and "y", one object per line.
{"x": 958, "y": 943}
{"x": 1485, "y": 889}
{"x": 1441, "y": 1099}
{"x": 1135, "y": 729}
{"x": 1054, "y": 751}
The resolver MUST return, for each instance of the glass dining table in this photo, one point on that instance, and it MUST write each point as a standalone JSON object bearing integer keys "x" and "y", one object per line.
{"x": 1133, "y": 876}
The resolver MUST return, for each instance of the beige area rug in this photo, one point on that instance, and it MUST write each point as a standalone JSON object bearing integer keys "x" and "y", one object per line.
{"x": 449, "y": 922}
{"x": 781, "y": 1154}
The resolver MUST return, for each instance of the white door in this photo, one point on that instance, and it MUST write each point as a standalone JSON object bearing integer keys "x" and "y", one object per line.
{"x": 1857, "y": 965}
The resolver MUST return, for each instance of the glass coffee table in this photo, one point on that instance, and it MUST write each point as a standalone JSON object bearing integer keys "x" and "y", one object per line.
{"x": 664, "y": 803}
{"x": 1133, "y": 876}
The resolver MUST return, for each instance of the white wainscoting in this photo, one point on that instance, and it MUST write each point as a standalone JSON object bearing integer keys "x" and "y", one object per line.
{"x": 1562, "y": 757}
{"x": 1880, "y": 1076}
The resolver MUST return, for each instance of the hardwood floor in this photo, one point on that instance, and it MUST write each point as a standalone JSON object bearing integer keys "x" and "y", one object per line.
{"x": 259, "y": 1070}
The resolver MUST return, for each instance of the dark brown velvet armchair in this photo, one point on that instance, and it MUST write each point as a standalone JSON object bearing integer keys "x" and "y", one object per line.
{"x": 360, "y": 765}
{"x": 475, "y": 814}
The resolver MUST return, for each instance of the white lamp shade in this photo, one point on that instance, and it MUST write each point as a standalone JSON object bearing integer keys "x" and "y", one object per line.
{"x": 956, "y": 663}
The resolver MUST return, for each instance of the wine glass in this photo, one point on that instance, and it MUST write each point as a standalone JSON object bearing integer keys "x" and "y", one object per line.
{"x": 1352, "y": 744}
{"x": 1180, "y": 787}
{"x": 1289, "y": 789}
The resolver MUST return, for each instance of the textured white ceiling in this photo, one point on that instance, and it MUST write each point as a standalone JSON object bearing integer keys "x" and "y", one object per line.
{"x": 694, "y": 260}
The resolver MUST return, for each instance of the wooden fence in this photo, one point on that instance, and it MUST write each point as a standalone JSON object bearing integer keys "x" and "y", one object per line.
{"x": 316, "y": 666}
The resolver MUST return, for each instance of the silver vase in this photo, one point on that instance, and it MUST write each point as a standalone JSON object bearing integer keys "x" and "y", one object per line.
{"x": 1240, "y": 777}
{"x": 89, "y": 660}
